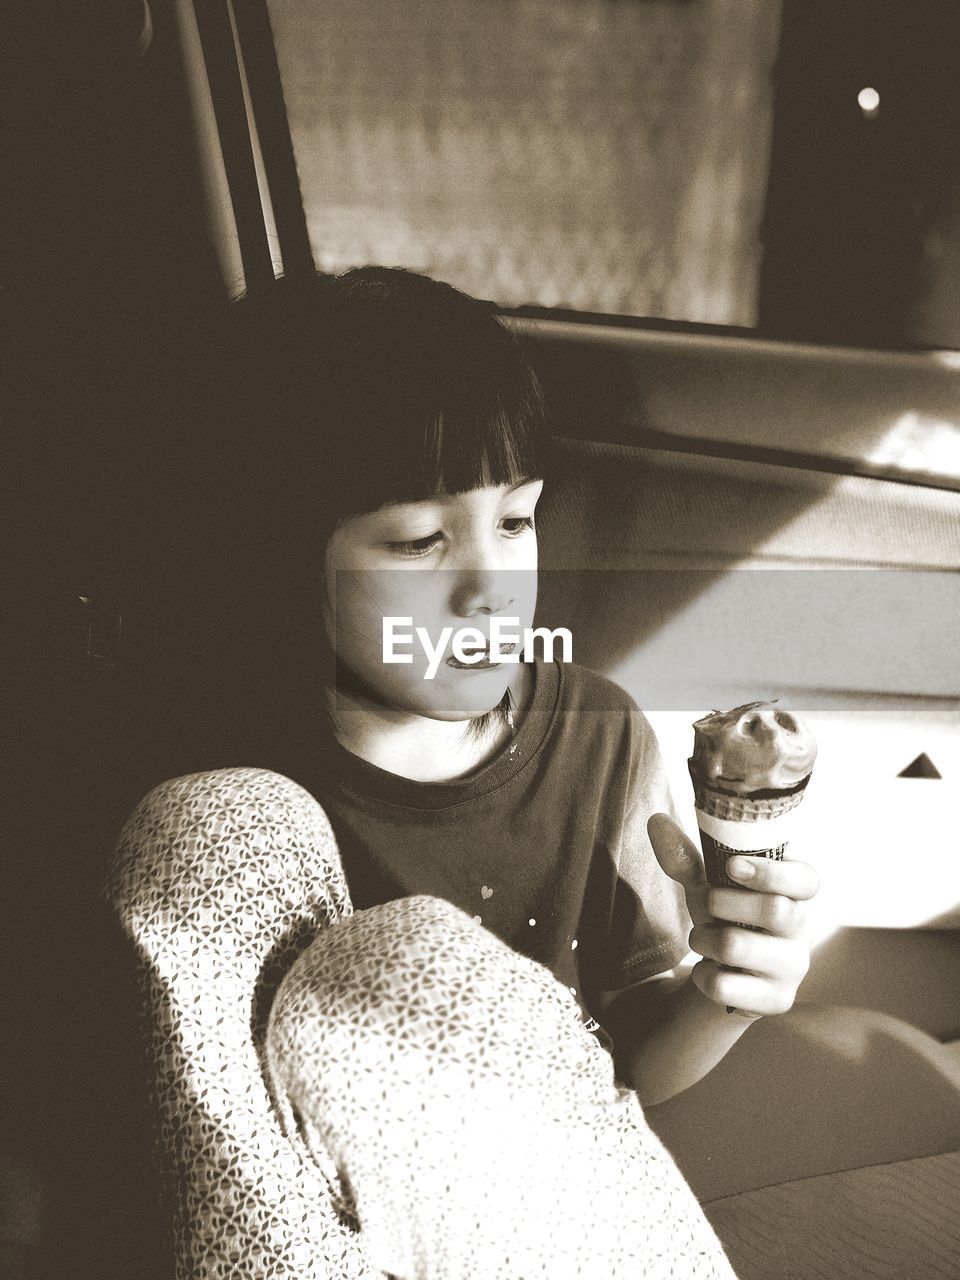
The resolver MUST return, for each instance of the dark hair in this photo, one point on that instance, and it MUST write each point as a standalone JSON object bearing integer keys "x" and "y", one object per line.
{"x": 378, "y": 386}
{"x": 335, "y": 395}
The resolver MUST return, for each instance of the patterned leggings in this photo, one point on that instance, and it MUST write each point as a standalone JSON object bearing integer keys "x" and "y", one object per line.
{"x": 464, "y": 1116}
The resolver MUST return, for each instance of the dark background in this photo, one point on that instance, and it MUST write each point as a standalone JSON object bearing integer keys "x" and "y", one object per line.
{"x": 106, "y": 273}
{"x": 851, "y": 201}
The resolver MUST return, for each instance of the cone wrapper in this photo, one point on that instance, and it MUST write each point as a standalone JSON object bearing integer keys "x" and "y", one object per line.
{"x": 759, "y": 826}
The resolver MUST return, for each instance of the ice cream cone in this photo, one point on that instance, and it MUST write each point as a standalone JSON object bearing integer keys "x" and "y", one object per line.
{"x": 750, "y": 767}
{"x": 758, "y": 825}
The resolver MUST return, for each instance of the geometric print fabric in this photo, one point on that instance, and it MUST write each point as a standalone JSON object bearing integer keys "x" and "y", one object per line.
{"x": 220, "y": 879}
{"x": 471, "y": 1123}
{"x": 418, "y": 1077}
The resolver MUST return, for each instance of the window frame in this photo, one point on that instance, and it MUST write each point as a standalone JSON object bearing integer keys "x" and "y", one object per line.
{"x": 244, "y": 137}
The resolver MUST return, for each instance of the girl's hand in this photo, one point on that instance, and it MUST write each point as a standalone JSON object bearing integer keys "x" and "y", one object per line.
{"x": 748, "y": 971}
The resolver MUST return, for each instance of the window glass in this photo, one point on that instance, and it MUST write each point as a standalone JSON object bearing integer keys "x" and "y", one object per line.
{"x": 603, "y": 155}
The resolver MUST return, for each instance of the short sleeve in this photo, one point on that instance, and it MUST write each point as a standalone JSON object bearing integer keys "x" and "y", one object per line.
{"x": 650, "y": 925}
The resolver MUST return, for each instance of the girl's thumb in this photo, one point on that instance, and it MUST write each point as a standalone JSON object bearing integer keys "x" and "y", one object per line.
{"x": 678, "y": 856}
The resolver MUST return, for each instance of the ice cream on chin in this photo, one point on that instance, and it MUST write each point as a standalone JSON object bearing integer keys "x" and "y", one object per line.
{"x": 759, "y": 746}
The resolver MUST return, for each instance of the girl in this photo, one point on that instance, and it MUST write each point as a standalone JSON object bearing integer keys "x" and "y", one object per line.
{"x": 529, "y": 794}
{"x": 523, "y": 896}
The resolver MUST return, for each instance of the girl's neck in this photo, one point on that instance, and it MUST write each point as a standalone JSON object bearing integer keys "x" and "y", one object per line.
{"x": 417, "y": 747}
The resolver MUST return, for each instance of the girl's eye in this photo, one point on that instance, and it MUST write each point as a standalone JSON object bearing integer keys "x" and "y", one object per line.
{"x": 416, "y": 546}
{"x": 515, "y": 525}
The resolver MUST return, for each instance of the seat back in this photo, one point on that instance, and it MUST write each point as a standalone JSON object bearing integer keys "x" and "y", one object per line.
{"x": 220, "y": 879}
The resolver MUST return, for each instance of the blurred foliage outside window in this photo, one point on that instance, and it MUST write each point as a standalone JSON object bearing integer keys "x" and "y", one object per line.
{"x": 600, "y": 155}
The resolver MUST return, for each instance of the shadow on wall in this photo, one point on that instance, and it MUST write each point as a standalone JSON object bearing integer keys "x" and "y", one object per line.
{"x": 638, "y": 549}
{"x": 840, "y": 1088}
{"x": 890, "y": 970}
{"x": 637, "y": 512}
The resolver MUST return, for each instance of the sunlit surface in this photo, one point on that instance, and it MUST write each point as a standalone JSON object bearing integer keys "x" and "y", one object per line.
{"x": 918, "y": 442}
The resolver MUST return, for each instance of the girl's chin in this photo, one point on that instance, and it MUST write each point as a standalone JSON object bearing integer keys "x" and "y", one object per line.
{"x": 460, "y": 695}
{"x": 452, "y": 694}
{"x": 468, "y": 705}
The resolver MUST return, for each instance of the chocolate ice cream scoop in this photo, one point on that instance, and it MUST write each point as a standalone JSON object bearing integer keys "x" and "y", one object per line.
{"x": 757, "y": 747}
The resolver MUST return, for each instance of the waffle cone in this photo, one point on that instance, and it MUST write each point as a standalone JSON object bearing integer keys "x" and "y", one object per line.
{"x": 756, "y": 808}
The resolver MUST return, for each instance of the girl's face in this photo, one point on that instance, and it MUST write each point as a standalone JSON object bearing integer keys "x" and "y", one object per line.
{"x": 450, "y": 562}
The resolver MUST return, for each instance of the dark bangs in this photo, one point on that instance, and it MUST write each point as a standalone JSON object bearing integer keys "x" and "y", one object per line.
{"x": 433, "y": 395}
{"x": 341, "y": 394}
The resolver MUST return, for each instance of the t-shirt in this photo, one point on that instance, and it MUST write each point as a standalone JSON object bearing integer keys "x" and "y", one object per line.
{"x": 546, "y": 845}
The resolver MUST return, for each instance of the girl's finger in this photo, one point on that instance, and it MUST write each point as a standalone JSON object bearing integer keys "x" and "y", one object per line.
{"x": 779, "y": 959}
{"x": 796, "y": 880}
{"x": 741, "y": 992}
{"x": 678, "y": 856}
{"x": 784, "y": 917}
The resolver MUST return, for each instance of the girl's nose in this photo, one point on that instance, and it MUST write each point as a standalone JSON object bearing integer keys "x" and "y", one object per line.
{"x": 482, "y": 591}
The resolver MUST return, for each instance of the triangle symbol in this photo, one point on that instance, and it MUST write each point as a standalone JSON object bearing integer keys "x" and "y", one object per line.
{"x": 922, "y": 767}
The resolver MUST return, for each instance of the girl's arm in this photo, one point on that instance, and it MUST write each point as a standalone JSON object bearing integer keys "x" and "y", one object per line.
{"x": 667, "y": 1035}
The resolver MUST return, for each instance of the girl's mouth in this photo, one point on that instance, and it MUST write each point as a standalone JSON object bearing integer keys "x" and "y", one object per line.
{"x": 481, "y": 664}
